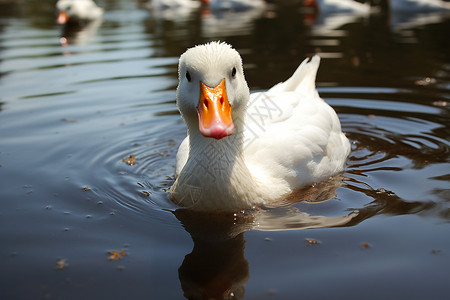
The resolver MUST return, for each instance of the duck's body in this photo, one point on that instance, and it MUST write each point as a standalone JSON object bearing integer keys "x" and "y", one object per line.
{"x": 76, "y": 11}
{"x": 276, "y": 141}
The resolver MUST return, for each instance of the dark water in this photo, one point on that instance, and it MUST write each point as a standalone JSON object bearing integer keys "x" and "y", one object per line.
{"x": 69, "y": 115}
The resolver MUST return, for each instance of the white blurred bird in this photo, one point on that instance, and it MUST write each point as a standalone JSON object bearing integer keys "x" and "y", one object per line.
{"x": 77, "y": 11}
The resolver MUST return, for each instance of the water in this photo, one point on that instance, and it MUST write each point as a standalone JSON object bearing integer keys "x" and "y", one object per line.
{"x": 71, "y": 114}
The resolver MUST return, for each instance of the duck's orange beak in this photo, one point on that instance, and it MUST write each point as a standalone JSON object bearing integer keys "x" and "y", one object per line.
{"x": 214, "y": 111}
{"x": 62, "y": 18}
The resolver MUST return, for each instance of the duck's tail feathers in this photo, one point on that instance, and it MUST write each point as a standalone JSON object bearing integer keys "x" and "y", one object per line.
{"x": 304, "y": 78}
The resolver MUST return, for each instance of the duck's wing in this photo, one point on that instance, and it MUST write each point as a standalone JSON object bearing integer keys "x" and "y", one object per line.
{"x": 291, "y": 133}
{"x": 280, "y": 105}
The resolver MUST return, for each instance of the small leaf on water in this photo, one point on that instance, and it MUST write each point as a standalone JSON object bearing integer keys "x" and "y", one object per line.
{"x": 312, "y": 241}
{"x": 366, "y": 245}
{"x": 68, "y": 120}
{"x": 61, "y": 264}
{"x": 130, "y": 160}
{"x": 114, "y": 255}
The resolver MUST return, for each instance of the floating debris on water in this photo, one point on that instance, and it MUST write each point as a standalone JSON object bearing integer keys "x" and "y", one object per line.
{"x": 26, "y": 186}
{"x": 384, "y": 191}
{"x": 61, "y": 264}
{"x": 86, "y": 188}
{"x": 130, "y": 160}
{"x": 441, "y": 103}
{"x": 68, "y": 120}
{"x": 115, "y": 255}
{"x": 312, "y": 241}
{"x": 426, "y": 81}
{"x": 366, "y": 245}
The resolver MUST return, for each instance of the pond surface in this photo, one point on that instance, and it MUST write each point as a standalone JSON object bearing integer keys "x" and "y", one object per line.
{"x": 79, "y": 220}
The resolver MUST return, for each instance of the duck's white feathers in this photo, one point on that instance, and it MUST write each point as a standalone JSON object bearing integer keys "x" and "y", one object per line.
{"x": 80, "y": 10}
{"x": 285, "y": 138}
{"x": 292, "y": 134}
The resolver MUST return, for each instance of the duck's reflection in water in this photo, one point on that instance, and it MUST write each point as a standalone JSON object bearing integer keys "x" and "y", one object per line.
{"x": 79, "y": 33}
{"x": 216, "y": 268}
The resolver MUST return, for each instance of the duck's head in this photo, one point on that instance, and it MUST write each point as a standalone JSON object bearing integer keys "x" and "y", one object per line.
{"x": 66, "y": 10}
{"x": 212, "y": 92}
{"x": 74, "y": 10}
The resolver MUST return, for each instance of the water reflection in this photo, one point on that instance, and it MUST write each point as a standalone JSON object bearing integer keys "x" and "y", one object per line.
{"x": 340, "y": 6}
{"x": 418, "y": 5}
{"x": 216, "y": 268}
{"x": 220, "y": 22}
{"x": 176, "y": 11}
{"x": 386, "y": 202}
{"x": 79, "y": 34}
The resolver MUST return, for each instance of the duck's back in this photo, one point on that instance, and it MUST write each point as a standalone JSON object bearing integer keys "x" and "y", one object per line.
{"x": 292, "y": 137}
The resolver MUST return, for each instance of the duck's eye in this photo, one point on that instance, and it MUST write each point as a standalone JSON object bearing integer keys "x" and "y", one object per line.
{"x": 188, "y": 76}
{"x": 233, "y": 72}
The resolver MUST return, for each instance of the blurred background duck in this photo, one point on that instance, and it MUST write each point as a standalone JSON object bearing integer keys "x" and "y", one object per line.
{"x": 77, "y": 11}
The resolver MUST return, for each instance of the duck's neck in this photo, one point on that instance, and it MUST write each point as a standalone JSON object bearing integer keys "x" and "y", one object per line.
{"x": 213, "y": 153}
{"x": 215, "y": 175}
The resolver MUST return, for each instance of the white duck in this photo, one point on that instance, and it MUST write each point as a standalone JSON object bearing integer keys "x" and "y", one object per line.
{"x": 247, "y": 150}
{"x": 77, "y": 10}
